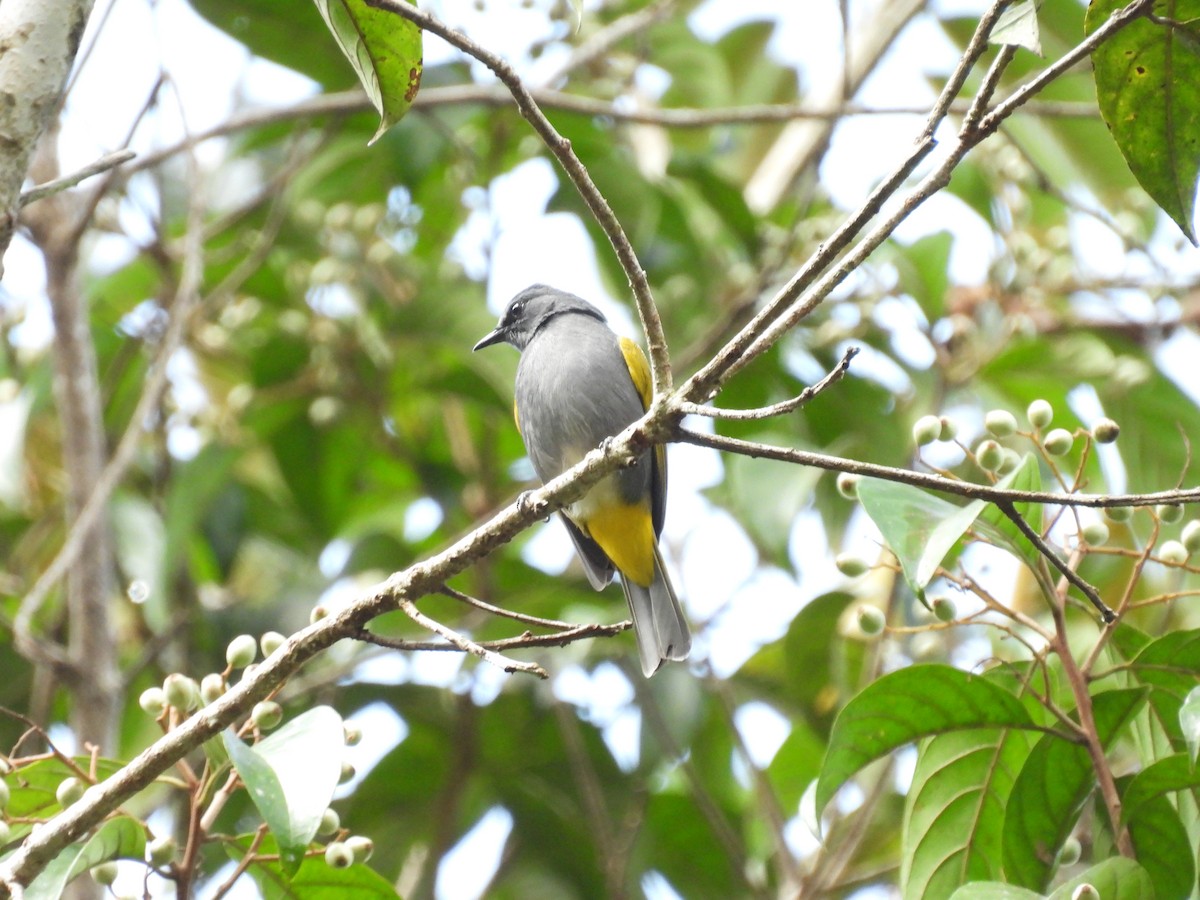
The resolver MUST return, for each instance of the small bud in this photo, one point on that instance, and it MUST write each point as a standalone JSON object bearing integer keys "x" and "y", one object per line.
{"x": 181, "y": 691}
{"x": 1105, "y": 431}
{"x": 926, "y": 430}
{"x": 870, "y": 619}
{"x": 1070, "y": 852}
{"x": 944, "y": 609}
{"x": 5, "y": 795}
{"x": 361, "y": 846}
{"x": 105, "y": 873}
{"x": 352, "y": 734}
{"x": 212, "y": 686}
{"x": 948, "y": 430}
{"x": 1085, "y": 892}
{"x": 160, "y": 851}
{"x": 266, "y": 715}
{"x": 270, "y": 642}
{"x": 69, "y": 791}
{"x": 5, "y": 832}
{"x": 850, "y": 565}
{"x": 241, "y": 651}
{"x": 1059, "y": 442}
{"x": 339, "y": 856}
{"x": 330, "y": 823}
{"x": 348, "y": 773}
{"x": 1094, "y": 534}
{"x": 153, "y": 701}
{"x": 1191, "y": 536}
{"x": 847, "y": 485}
{"x": 1000, "y": 422}
{"x": 1173, "y": 553}
{"x": 1040, "y": 413}
{"x": 1119, "y": 513}
{"x": 989, "y": 455}
{"x": 318, "y": 613}
{"x": 1170, "y": 513}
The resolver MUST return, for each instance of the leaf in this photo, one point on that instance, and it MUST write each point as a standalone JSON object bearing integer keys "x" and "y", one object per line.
{"x": 1114, "y": 879}
{"x": 1169, "y": 664}
{"x": 1025, "y": 477}
{"x": 954, "y": 812}
{"x": 1163, "y": 847}
{"x": 1018, "y": 27}
{"x": 906, "y": 705}
{"x": 116, "y": 838}
{"x": 922, "y": 528}
{"x": 385, "y": 51}
{"x": 919, "y": 527}
{"x": 1165, "y": 776}
{"x": 993, "y": 890}
{"x": 1148, "y": 87}
{"x": 314, "y": 880}
{"x": 1051, "y": 789}
{"x": 291, "y": 776}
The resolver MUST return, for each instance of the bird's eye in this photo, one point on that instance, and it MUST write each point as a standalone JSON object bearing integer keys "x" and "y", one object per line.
{"x": 515, "y": 310}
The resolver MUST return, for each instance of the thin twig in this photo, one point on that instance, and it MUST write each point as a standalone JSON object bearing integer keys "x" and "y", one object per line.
{"x": 777, "y": 409}
{"x": 932, "y": 482}
{"x": 467, "y": 645}
{"x": 1068, "y": 572}
{"x": 501, "y": 611}
{"x": 103, "y": 164}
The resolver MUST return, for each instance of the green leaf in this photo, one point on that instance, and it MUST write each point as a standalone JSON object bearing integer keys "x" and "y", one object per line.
{"x": 1114, "y": 879}
{"x": 1167, "y": 775}
{"x": 919, "y": 527}
{"x": 1163, "y": 847}
{"x": 385, "y": 51}
{"x": 1018, "y": 26}
{"x": 314, "y": 880}
{"x": 1148, "y": 86}
{"x": 1170, "y": 665}
{"x": 291, "y": 776}
{"x": 993, "y": 890}
{"x": 1025, "y": 477}
{"x": 906, "y": 705}
{"x": 1051, "y": 789}
{"x": 954, "y": 812}
{"x": 120, "y": 837}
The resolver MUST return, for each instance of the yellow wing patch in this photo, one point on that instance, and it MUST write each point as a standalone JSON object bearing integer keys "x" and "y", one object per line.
{"x": 625, "y": 533}
{"x": 639, "y": 370}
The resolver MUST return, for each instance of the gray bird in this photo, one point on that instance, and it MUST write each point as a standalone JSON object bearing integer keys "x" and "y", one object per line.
{"x": 578, "y": 384}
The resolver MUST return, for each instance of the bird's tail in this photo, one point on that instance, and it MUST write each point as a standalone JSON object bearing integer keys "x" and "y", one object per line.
{"x": 659, "y": 625}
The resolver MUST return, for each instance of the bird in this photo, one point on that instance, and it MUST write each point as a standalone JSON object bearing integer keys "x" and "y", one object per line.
{"x": 577, "y": 385}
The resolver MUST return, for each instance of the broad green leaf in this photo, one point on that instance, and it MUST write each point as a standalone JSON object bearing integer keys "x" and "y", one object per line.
{"x": 954, "y": 812}
{"x": 919, "y": 527}
{"x": 1148, "y": 86}
{"x": 314, "y": 880}
{"x": 1018, "y": 26}
{"x": 385, "y": 51}
{"x": 1169, "y": 664}
{"x": 1114, "y": 879}
{"x": 907, "y": 705}
{"x": 1167, "y": 775}
{"x": 1051, "y": 789}
{"x": 993, "y": 890}
{"x": 1025, "y": 477}
{"x": 291, "y": 776}
{"x": 1163, "y": 847}
{"x": 120, "y": 837}
{"x": 33, "y": 788}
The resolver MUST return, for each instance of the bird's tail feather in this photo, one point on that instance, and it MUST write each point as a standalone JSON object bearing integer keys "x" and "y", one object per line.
{"x": 659, "y": 625}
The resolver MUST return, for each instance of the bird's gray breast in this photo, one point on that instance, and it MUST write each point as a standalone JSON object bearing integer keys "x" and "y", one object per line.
{"x": 573, "y": 390}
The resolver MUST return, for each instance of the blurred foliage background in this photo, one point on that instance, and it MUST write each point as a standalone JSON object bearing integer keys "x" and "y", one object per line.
{"x": 326, "y": 424}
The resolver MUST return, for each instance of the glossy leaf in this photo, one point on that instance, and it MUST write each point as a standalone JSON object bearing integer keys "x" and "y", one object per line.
{"x": 1051, "y": 789}
{"x": 1148, "y": 86}
{"x": 120, "y": 837}
{"x": 1018, "y": 26}
{"x": 384, "y": 50}
{"x": 907, "y": 705}
{"x": 291, "y": 776}
{"x": 1113, "y": 879}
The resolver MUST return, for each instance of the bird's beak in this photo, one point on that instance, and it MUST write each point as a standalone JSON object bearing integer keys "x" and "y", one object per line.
{"x": 495, "y": 336}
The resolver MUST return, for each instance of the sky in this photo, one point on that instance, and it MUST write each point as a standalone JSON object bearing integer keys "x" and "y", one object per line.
{"x": 511, "y": 228}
